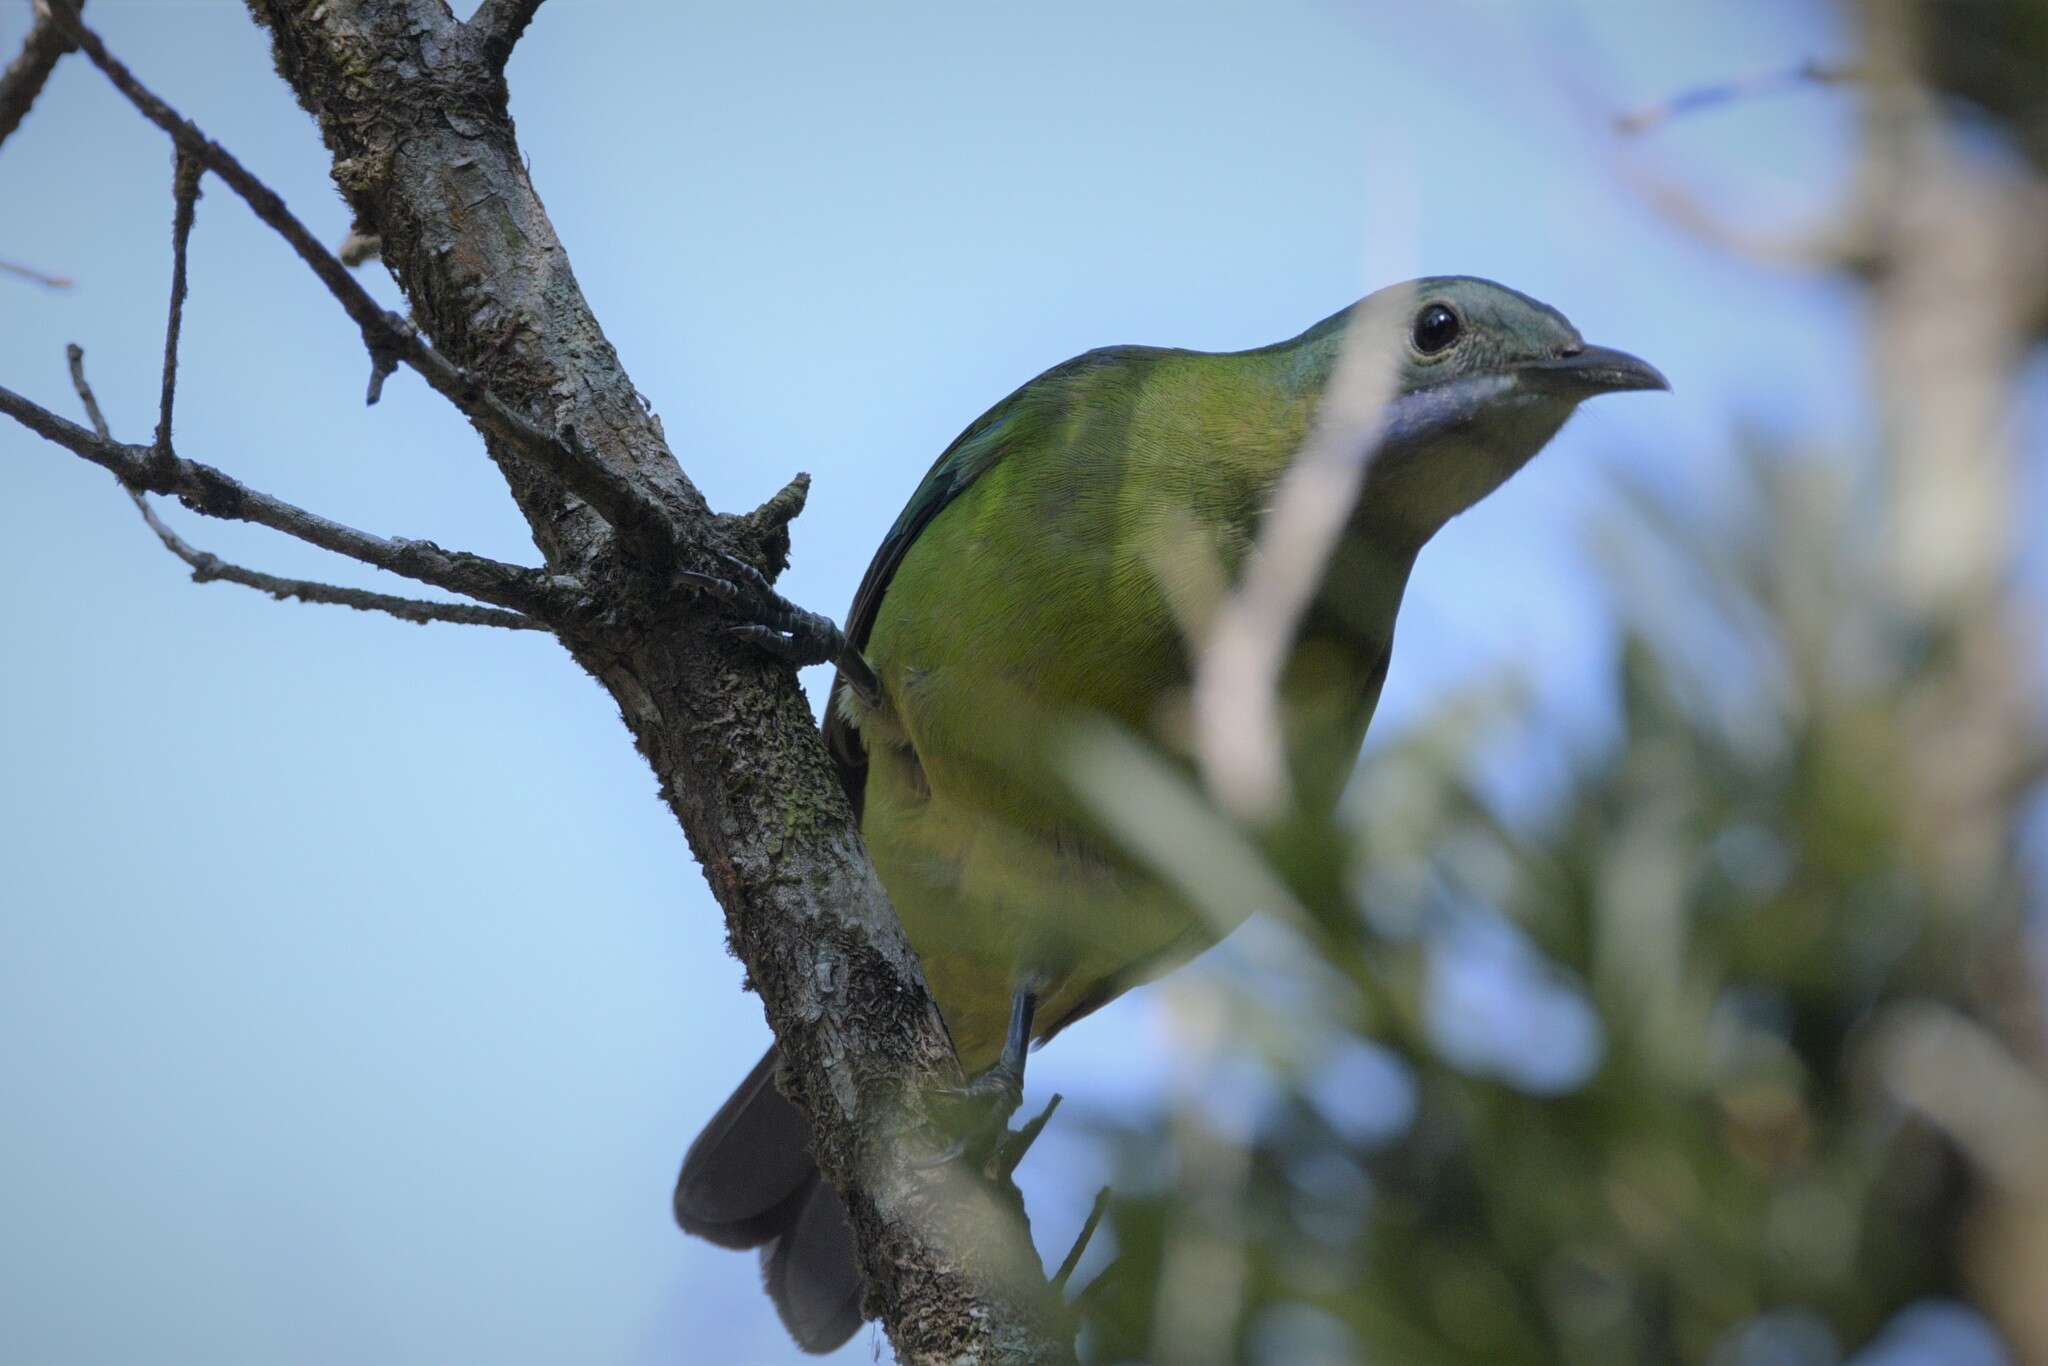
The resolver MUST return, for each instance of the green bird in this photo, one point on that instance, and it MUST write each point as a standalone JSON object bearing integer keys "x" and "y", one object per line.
{"x": 1029, "y": 583}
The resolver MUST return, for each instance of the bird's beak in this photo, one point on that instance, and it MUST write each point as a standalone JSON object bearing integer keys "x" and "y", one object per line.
{"x": 1592, "y": 370}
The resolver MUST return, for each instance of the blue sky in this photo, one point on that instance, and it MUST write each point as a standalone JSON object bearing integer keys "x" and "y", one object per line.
{"x": 361, "y": 996}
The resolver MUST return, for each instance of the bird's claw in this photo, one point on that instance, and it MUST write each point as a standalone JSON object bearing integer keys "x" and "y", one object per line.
{"x": 979, "y": 1114}
{"x": 947, "y": 1155}
{"x": 776, "y": 625}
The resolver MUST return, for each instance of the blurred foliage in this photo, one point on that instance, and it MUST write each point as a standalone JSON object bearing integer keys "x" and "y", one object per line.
{"x": 1993, "y": 53}
{"x": 1732, "y": 892}
{"x": 1728, "y": 1047}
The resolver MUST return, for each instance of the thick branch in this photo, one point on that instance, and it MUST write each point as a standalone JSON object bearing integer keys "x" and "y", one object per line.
{"x": 499, "y": 24}
{"x": 640, "y": 520}
{"x": 206, "y": 489}
{"x": 23, "y": 80}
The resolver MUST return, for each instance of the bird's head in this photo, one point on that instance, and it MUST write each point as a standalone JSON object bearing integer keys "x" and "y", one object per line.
{"x": 1474, "y": 379}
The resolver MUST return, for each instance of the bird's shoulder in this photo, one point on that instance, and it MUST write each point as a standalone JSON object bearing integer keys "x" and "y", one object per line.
{"x": 1031, "y": 414}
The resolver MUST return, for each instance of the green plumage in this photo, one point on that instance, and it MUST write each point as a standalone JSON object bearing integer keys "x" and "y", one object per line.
{"x": 1034, "y": 579}
{"x": 1026, "y": 592}
{"x": 1052, "y": 569}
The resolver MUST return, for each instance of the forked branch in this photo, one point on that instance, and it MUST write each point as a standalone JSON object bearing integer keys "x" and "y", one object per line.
{"x": 209, "y": 568}
{"x": 733, "y": 744}
{"x": 207, "y": 490}
{"x": 640, "y": 521}
{"x": 499, "y": 24}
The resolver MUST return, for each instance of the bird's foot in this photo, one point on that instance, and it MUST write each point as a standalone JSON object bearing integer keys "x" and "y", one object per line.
{"x": 978, "y": 1113}
{"x": 773, "y": 623}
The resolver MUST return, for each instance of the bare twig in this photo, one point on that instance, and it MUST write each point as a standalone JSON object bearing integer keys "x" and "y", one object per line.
{"x": 1811, "y": 72}
{"x": 633, "y": 512}
{"x": 185, "y": 191}
{"x": 1081, "y": 1240}
{"x": 207, "y": 490}
{"x": 40, "y": 277}
{"x": 207, "y": 567}
{"x": 499, "y": 24}
{"x": 74, "y": 354}
{"x": 1014, "y": 1147}
{"x": 25, "y": 75}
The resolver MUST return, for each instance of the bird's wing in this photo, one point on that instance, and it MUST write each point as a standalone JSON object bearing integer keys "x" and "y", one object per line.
{"x": 1009, "y": 425}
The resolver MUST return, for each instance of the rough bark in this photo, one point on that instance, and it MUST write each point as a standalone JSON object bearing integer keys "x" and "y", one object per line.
{"x": 26, "y": 75}
{"x": 412, "y": 105}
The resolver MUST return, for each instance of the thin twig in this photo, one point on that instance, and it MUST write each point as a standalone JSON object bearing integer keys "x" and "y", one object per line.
{"x": 41, "y": 277}
{"x": 185, "y": 190}
{"x": 1811, "y": 72}
{"x": 207, "y": 567}
{"x": 26, "y": 74}
{"x": 75, "y": 355}
{"x": 633, "y": 512}
{"x": 499, "y": 24}
{"x": 1088, "y": 1227}
{"x": 207, "y": 490}
{"x": 1010, "y": 1155}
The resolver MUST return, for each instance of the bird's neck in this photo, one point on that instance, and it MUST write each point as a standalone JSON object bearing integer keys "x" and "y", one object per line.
{"x": 1360, "y": 593}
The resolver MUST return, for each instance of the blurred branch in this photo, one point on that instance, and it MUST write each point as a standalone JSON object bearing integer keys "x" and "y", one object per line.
{"x": 25, "y": 76}
{"x": 1237, "y": 677}
{"x": 30, "y": 273}
{"x": 1842, "y": 239}
{"x": 1081, "y": 1240}
{"x": 1810, "y": 73}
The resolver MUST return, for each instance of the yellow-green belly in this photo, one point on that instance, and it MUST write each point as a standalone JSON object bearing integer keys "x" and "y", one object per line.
{"x": 990, "y": 907}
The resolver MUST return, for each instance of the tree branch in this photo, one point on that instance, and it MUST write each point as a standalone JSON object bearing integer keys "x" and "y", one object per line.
{"x": 1081, "y": 1240}
{"x": 639, "y": 519}
{"x": 207, "y": 567}
{"x": 34, "y": 276}
{"x": 1811, "y": 72}
{"x": 499, "y": 24}
{"x": 185, "y": 197}
{"x": 413, "y": 110}
{"x": 414, "y": 113}
{"x": 24, "y": 77}
{"x": 206, "y": 489}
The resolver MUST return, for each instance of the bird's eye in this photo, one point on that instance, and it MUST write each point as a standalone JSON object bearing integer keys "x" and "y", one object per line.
{"x": 1436, "y": 327}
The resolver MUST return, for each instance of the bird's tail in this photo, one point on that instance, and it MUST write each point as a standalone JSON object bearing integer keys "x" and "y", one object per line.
{"x": 749, "y": 1181}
